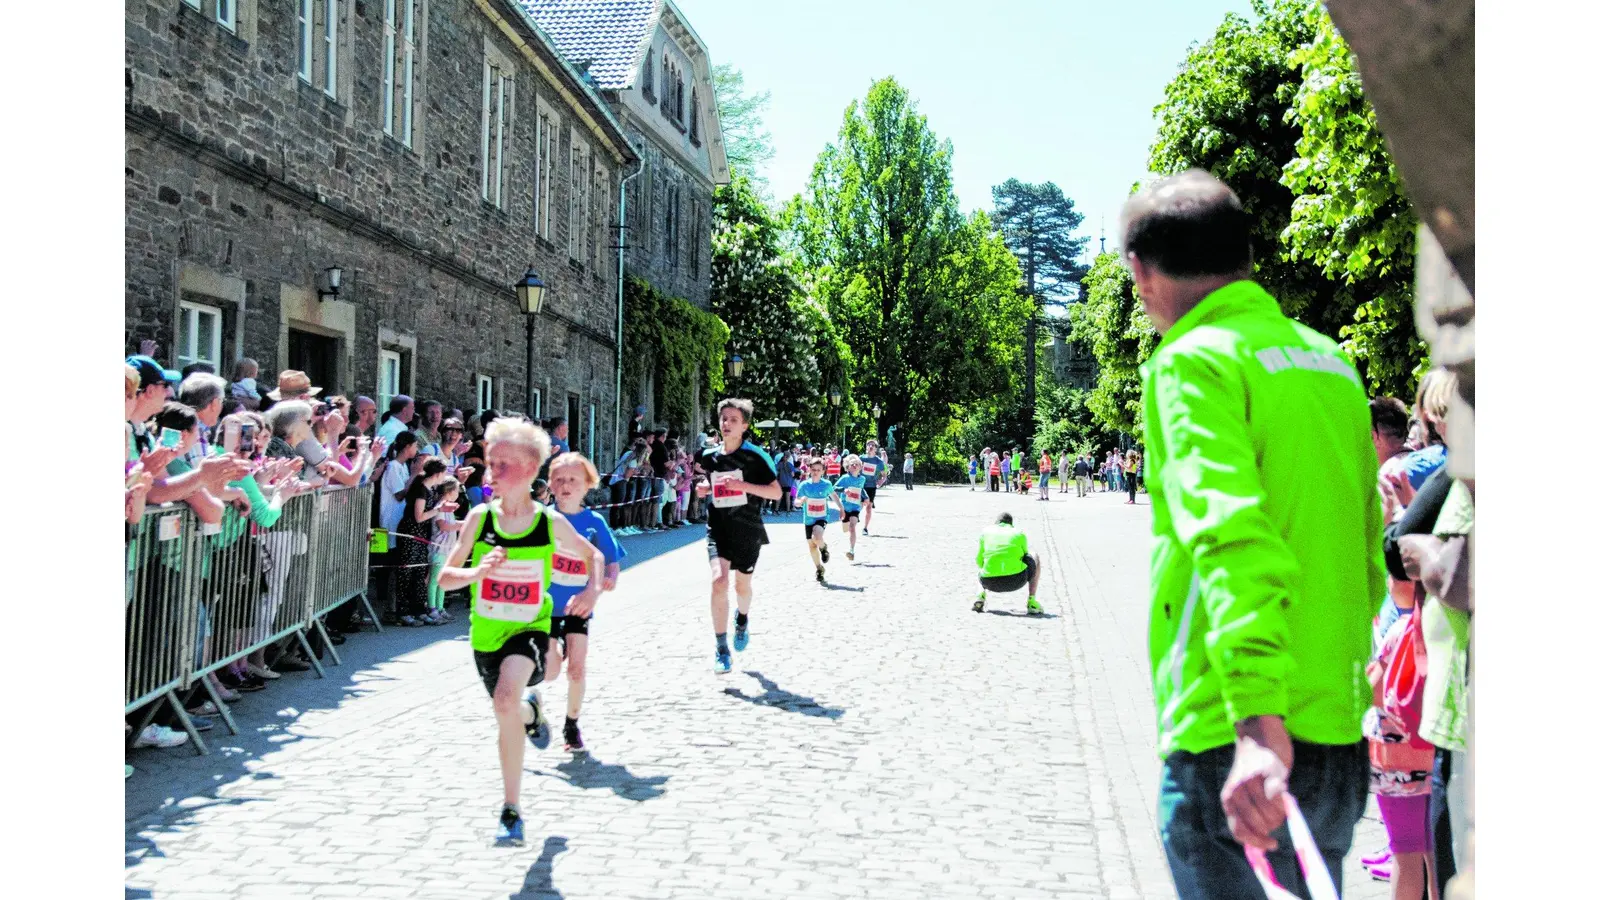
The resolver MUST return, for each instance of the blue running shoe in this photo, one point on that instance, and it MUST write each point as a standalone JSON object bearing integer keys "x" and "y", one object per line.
{"x": 724, "y": 662}
{"x": 510, "y": 830}
{"x": 538, "y": 729}
{"x": 741, "y": 636}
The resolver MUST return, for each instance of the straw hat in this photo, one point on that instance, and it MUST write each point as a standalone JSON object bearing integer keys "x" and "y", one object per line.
{"x": 293, "y": 383}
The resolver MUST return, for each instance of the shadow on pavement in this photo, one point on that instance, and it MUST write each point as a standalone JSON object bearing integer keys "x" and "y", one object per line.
{"x": 584, "y": 771}
{"x": 782, "y": 699}
{"x": 1020, "y": 615}
{"x": 875, "y": 565}
{"x": 169, "y": 786}
{"x": 648, "y": 546}
{"x": 842, "y": 587}
{"x": 537, "y": 885}
{"x": 889, "y": 537}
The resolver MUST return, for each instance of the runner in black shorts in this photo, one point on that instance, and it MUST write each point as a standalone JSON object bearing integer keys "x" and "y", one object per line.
{"x": 504, "y": 554}
{"x": 815, "y": 492}
{"x": 875, "y": 469}
{"x": 740, "y": 475}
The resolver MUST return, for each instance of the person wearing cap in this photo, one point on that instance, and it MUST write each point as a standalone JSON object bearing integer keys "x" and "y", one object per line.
{"x": 293, "y": 385}
{"x": 155, "y": 388}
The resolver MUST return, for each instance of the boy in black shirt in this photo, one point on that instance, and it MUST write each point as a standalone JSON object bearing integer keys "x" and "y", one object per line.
{"x": 741, "y": 475}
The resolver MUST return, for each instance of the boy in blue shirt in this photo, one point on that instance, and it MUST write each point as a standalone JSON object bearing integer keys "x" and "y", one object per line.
{"x": 875, "y": 469}
{"x": 572, "y": 476}
{"x": 814, "y": 496}
{"x": 851, "y": 490}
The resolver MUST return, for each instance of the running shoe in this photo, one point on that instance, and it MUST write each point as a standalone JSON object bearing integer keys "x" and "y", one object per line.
{"x": 538, "y": 727}
{"x": 160, "y": 736}
{"x": 207, "y": 708}
{"x": 741, "y": 636}
{"x": 573, "y": 739}
{"x": 262, "y": 672}
{"x": 724, "y": 662}
{"x": 819, "y": 574}
{"x": 510, "y": 830}
{"x": 978, "y": 607}
{"x": 824, "y": 554}
{"x": 1034, "y": 609}
{"x": 1382, "y": 873}
{"x": 864, "y": 530}
{"x": 850, "y": 555}
{"x": 201, "y": 723}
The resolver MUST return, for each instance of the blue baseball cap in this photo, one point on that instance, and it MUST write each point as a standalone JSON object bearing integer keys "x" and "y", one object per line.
{"x": 151, "y": 372}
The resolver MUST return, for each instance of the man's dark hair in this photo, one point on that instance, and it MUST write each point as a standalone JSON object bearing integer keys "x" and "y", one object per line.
{"x": 1004, "y": 519}
{"x": 177, "y": 416}
{"x": 1187, "y": 226}
{"x": 1389, "y": 416}
{"x": 426, "y": 405}
{"x": 432, "y": 467}
{"x": 192, "y": 368}
{"x": 745, "y": 407}
{"x": 555, "y": 422}
{"x": 398, "y": 404}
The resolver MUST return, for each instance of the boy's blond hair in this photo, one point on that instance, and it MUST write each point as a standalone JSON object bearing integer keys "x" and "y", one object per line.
{"x": 519, "y": 432}
{"x": 591, "y": 475}
{"x": 851, "y": 460}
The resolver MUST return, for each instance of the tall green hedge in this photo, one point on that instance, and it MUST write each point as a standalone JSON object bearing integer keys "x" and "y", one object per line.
{"x": 677, "y": 342}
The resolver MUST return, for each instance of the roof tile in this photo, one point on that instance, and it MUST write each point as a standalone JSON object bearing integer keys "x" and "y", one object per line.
{"x": 606, "y": 34}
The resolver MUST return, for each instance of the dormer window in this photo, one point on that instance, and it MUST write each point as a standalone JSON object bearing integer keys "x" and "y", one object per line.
{"x": 650, "y": 76}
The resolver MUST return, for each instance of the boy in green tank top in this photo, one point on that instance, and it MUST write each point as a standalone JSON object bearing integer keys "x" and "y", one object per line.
{"x": 504, "y": 554}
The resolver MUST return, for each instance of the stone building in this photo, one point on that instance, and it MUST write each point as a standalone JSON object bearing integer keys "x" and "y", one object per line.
{"x": 653, "y": 69}
{"x": 430, "y": 150}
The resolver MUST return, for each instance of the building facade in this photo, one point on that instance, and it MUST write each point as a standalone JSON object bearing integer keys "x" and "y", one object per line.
{"x": 430, "y": 150}
{"x": 655, "y": 71}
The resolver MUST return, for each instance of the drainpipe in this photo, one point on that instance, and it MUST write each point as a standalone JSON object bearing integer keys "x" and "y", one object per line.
{"x": 622, "y": 255}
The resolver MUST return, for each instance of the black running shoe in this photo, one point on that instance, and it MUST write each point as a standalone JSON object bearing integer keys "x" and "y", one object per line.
{"x": 510, "y": 830}
{"x": 824, "y": 555}
{"x": 573, "y": 739}
{"x": 539, "y": 729}
{"x": 819, "y": 574}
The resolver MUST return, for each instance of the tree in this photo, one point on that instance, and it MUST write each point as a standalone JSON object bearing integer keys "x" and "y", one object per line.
{"x": 745, "y": 138}
{"x": 1037, "y": 222}
{"x": 1351, "y": 217}
{"x": 1111, "y": 320}
{"x": 925, "y": 298}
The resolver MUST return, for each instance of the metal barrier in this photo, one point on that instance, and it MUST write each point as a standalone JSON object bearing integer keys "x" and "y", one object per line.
{"x": 202, "y": 597}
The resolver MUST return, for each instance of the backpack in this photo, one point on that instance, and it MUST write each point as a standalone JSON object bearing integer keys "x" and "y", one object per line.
{"x": 1401, "y": 761}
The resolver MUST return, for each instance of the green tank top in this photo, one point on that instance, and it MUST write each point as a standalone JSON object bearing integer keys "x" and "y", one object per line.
{"x": 516, "y": 598}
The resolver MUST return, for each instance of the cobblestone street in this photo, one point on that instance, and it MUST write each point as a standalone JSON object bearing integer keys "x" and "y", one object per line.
{"x": 878, "y": 739}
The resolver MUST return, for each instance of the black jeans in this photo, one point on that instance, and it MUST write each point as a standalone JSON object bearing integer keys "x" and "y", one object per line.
{"x": 1330, "y": 783}
{"x": 908, "y": 480}
{"x": 1133, "y": 486}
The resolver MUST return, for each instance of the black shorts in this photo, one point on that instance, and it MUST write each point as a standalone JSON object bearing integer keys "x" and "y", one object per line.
{"x": 1005, "y": 584}
{"x": 810, "y": 524}
{"x": 532, "y": 644}
{"x": 561, "y": 626}
{"x": 741, "y": 554}
{"x": 851, "y": 515}
{"x": 872, "y": 493}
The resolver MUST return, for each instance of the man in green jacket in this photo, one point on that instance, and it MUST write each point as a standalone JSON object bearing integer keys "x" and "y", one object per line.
{"x": 1005, "y": 565}
{"x": 1266, "y": 564}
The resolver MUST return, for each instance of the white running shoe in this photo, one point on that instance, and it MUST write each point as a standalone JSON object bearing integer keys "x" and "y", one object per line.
{"x": 160, "y": 736}
{"x": 261, "y": 672}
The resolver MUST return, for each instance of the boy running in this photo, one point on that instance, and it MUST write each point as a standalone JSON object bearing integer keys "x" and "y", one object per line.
{"x": 740, "y": 476}
{"x": 875, "y": 469}
{"x": 572, "y": 476}
{"x": 851, "y": 491}
{"x": 505, "y": 554}
{"x": 815, "y": 493}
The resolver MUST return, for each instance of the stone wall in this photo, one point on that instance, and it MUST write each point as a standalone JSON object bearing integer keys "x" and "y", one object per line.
{"x": 243, "y": 182}
{"x": 681, "y": 269}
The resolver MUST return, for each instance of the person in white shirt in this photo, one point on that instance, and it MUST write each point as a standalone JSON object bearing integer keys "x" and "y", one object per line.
{"x": 908, "y": 467}
{"x": 397, "y": 419}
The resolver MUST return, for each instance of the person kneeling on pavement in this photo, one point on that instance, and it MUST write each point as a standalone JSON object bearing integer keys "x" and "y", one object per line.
{"x": 1005, "y": 565}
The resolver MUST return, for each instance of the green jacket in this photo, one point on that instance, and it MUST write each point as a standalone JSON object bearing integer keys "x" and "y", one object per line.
{"x": 1000, "y": 551}
{"x": 1266, "y": 564}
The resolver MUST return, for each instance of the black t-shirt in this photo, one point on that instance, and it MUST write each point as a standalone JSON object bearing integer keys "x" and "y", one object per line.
{"x": 753, "y": 465}
{"x": 416, "y": 491}
{"x": 658, "y": 457}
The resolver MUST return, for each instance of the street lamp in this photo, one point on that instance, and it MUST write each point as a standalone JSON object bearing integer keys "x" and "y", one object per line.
{"x": 328, "y": 282}
{"x": 736, "y": 366}
{"x": 877, "y": 412}
{"x": 530, "y": 296}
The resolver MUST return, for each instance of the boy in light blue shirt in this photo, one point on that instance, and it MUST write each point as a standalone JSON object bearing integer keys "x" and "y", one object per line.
{"x": 814, "y": 494}
{"x": 851, "y": 489}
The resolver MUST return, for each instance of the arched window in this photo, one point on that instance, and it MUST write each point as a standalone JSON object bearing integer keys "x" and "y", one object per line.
{"x": 666, "y": 84}
{"x": 694, "y": 117}
{"x": 677, "y": 99}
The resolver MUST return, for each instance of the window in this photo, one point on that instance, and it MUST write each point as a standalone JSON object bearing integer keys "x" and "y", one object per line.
{"x": 226, "y": 14}
{"x": 602, "y": 194}
{"x": 537, "y": 412}
{"x": 388, "y": 378}
{"x": 399, "y": 67}
{"x": 672, "y": 225}
{"x": 666, "y": 84}
{"x": 588, "y": 446}
{"x": 330, "y": 47}
{"x": 694, "y": 240}
{"x": 578, "y": 203}
{"x": 650, "y": 76}
{"x": 199, "y": 334}
{"x": 485, "y": 393}
{"x": 497, "y": 97}
{"x": 303, "y": 22}
{"x": 546, "y": 139}
{"x": 677, "y": 98}
{"x": 694, "y": 118}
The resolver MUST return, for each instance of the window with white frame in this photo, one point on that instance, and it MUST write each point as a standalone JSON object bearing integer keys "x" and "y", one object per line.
{"x": 498, "y": 95}
{"x": 227, "y": 15}
{"x": 547, "y": 138}
{"x": 694, "y": 117}
{"x": 588, "y": 447}
{"x": 537, "y": 411}
{"x": 388, "y": 377}
{"x": 199, "y": 334}
{"x": 485, "y": 393}
{"x": 578, "y": 203}
{"x": 400, "y": 35}
{"x": 317, "y": 43}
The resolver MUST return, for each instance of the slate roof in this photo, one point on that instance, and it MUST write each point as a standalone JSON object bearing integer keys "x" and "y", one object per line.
{"x": 608, "y": 35}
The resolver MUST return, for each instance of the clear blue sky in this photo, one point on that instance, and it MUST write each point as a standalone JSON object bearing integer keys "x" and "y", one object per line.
{"x": 1042, "y": 90}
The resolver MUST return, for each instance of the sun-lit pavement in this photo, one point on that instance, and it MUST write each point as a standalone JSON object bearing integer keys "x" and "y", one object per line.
{"x": 878, "y": 739}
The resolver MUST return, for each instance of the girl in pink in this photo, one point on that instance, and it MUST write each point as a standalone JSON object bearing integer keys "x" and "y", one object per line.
{"x": 1401, "y": 761}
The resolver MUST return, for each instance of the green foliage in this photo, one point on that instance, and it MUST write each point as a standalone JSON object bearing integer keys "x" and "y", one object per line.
{"x": 1112, "y": 322}
{"x": 1037, "y": 221}
{"x": 745, "y": 138}
{"x": 1351, "y": 217}
{"x": 925, "y": 298}
{"x": 1275, "y": 109}
{"x": 681, "y": 345}
{"x": 1066, "y": 424}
